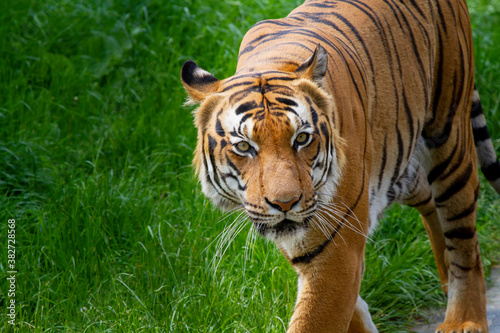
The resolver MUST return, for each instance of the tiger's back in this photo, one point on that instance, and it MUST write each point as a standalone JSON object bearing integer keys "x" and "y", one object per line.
{"x": 397, "y": 81}
{"x": 333, "y": 113}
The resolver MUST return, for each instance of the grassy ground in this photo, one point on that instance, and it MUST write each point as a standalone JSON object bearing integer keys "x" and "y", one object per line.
{"x": 112, "y": 233}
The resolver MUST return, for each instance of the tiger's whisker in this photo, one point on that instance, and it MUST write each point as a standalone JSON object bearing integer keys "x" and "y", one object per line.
{"x": 333, "y": 214}
{"x": 226, "y": 237}
{"x": 339, "y": 199}
{"x": 333, "y": 228}
{"x": 329, "y": 225}
{"x": 337, "y": 212}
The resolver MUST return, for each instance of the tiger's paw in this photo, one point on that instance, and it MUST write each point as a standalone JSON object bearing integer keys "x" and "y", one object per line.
{"x": 467, "y": 327}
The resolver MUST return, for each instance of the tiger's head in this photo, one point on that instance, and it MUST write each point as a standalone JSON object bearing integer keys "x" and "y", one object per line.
{"x": 267, "y": 141}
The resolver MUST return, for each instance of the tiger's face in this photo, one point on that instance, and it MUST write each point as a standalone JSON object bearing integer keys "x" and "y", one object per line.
{"x": 266, "y": 141}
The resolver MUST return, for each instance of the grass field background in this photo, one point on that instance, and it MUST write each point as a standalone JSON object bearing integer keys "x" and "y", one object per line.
{"x": 112, "y": 232}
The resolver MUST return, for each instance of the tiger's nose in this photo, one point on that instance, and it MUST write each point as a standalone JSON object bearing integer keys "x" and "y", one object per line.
{"x": 283, "y": 206}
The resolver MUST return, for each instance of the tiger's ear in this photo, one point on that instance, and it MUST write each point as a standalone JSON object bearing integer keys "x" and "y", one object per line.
{"x": 314, "y": 68}
{"x": 198, "y": 83}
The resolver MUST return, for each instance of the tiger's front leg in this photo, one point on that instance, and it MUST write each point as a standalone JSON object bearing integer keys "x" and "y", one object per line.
{"x": 361, "y": 321}
{"x": 329, "y": 282}
{"x": 328, "y": 291}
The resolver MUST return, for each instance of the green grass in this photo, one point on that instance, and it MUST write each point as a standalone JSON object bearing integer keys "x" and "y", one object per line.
{"x": 113, "y": 233}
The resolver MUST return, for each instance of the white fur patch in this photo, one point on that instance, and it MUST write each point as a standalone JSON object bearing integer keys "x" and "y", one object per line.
{"x": 379, "y": 198}
{"x": 362, "y": 308}
{"x": 200, "y": 73}
{"x": 377, "y": 205}
{"x": 478, "y": 121}
{"x": 486, "y": 153}
{"x": 300, "y": 285}
{"x": 293, "y": 245}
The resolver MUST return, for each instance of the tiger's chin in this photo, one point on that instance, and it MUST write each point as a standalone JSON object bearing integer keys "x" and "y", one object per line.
{"x": 283, "y": 231}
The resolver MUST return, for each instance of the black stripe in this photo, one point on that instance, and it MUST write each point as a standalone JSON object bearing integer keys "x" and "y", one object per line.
{"x": 313, "y": 159}
{"x": 415, "y": 5}
{"x": 232, "y": 166}
{"x": 212, "y": 144}
{"x": 399, "y": 159}
{"x": 287, "y": 45}
{"x": 234, "y": 85}
{"x": 384, "y": 161}
{"x": 236, "y": 134}
{"x": 476, "y": 109}
{"x": 246, "y": 107}
{"x": 219, "y": 129}
{"x": 278, "y": 114}
{"x": 414, "y": 44}
{"x": 463, "y": 268}
{"x": 228, "y": 175}
{"x": 396, "y": 16}
{"x": 314, "y": 114}
{"x": 374, "y": 18}
{"x": 321, "y": 5}
{"x": 273, "y": 107}
{"x": 439, "y": 79}
{"x": 281, "y": 78}
{"x": 383, "y": 36}
{"x": 480, "y": 134}
{"x": 282, "y": 89}
{"x": 361, "y": 41}
{"x": 245, "y": 117}
{"x": 441, "y": 167}
{"x": 281, "y": 59}
{"x": 262, "y": 39}
{"x": 252, "y": 84}
{"x": 326, "y": 133}
{"x": 241, "y": 94}
{"x": 440, "y": 139}
{"x": 257, "y": 75}
{"x": 492, "y": 171}
{"x": 410, "y": 123}
{"x": 205, "y": 163}
{"x": 460, "y": 233}
{"x": 376, "y": 22}
{"x": 272, "y": 22}
{"x": 423, "y": 202}
{"x": 457, "y": 185}
{"x": 466, "y": 212}
{"x": 429, "y": 213}
{"x": 308, "y": 257}
{"x": 469, "y": 210}
{"x": 286, "y": 101}
{"x": 459, "y": 161}
{"x": 353, "y": 55}
{"x": 442, "y": 20}
{"x": 324, "y": 127}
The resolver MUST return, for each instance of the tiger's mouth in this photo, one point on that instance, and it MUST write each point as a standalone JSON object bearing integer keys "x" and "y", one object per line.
{"x": 284, "y": 228}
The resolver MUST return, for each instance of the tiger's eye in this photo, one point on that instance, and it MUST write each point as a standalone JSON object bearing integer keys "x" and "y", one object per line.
{"x": 302, "y": 138}
{"x": 243, "y": 146}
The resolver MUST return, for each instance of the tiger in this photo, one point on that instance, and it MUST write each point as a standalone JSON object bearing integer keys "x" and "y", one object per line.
{"x": 334, "y": 112}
